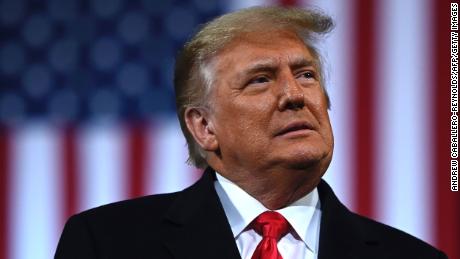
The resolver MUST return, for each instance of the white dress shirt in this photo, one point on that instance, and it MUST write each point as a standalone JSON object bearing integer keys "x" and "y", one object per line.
{"x": 304, "y": 215}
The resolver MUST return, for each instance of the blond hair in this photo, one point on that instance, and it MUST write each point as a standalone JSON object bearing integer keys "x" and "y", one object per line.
{"x": 192, "y": 79}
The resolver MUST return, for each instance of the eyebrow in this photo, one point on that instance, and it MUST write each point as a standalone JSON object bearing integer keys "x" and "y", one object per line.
{"x": 271, "y": 65}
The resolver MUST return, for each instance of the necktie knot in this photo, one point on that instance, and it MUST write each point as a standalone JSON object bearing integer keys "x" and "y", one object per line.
{"x": 271, "y": 224}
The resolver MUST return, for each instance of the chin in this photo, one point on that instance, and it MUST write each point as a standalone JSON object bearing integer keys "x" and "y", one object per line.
{"x": 305, "y": 159}
{"x": 301, "y": 162}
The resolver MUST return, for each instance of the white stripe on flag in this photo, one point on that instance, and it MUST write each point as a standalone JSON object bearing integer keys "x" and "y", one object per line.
{"x": 403, "y": 180}
{"x": 35, "y": 212}
{"x": 336, "y": 50}
{"x": 239, "y": 4}
{"x": 168, "y": 171}
{"x": 102, "y": 159}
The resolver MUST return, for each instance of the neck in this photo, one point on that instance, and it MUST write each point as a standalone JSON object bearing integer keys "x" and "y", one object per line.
{"x": 274, "y": 188}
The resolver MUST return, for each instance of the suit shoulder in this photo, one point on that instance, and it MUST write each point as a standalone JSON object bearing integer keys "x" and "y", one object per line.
{"x": 395, "y": 241}
{"x": 152, "y": 206}
{"x": 123, "y": 229}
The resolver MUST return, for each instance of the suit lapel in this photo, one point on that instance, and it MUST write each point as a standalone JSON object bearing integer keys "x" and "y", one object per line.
{"x": 341, "y": 233}
{"x": 196, "y": 225}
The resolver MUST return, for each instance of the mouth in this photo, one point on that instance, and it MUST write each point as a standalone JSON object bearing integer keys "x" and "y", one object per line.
{"x": 295, "y": 127}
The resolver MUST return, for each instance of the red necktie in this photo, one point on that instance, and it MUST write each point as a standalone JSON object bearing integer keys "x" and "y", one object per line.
{"x": 272, "y": 226}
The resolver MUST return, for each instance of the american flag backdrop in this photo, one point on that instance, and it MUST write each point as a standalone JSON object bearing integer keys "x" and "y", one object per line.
{"x": 87, "y": 111}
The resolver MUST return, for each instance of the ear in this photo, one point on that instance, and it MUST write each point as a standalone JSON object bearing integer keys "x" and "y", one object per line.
{"x": 201, "y": 128}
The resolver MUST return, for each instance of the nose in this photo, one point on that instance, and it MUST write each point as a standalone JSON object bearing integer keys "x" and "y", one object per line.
{"x": 292, "y": 95}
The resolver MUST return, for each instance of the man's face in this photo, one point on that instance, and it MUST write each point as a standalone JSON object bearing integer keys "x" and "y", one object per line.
{"x": 268, "y": 107}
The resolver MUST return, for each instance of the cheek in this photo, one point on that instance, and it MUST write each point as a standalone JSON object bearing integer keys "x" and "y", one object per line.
{"x": 252, "y": 123}
{"x": 317, "y": 103}
{"x": 253, "y": 120}
{"x": 316, "y": 96}
{"x": 318, "y": 106}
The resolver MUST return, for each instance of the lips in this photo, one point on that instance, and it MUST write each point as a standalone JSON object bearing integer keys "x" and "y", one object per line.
{"x": 294, "y": 126}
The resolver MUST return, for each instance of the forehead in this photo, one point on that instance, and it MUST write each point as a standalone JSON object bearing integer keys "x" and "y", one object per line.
{"x": 264, "y": 47}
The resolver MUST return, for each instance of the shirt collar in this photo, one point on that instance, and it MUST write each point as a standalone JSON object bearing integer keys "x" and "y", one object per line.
{"x": 241, "y": 209}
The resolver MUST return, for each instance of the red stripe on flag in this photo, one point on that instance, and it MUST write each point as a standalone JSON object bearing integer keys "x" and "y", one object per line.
{"x": 4, "y": 191}
{"x": 364, "y": 105}
{"x": 137, "y": 148}
{"x": 70, "y": 172}
{"x": 447, "y": 210}
{"x": 288, "y": 2}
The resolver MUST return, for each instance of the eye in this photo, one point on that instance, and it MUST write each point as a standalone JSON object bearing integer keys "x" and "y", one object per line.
{"x": 308, "y": 75}
{"x": 258, "y": 80}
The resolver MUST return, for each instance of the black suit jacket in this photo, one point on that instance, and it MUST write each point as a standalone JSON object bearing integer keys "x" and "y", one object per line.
{"x": 193, "y": 224}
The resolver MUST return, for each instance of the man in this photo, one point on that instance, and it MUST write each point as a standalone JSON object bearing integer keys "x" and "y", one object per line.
{"x": 252, "y": 105}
